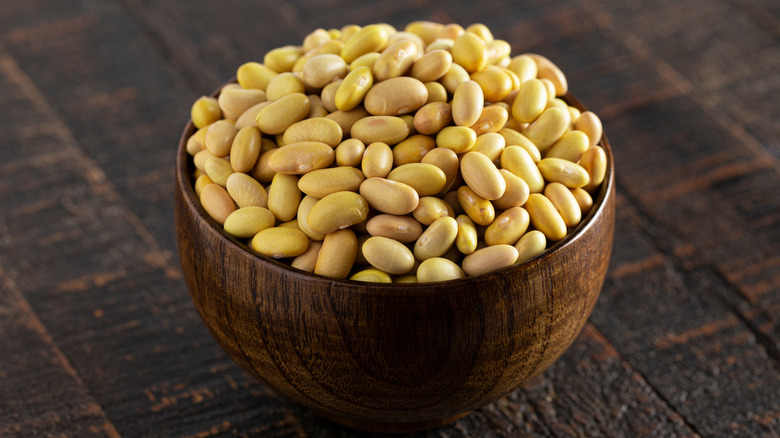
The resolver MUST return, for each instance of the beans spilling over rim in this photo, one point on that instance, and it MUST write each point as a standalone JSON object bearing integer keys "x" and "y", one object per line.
{"x": 381, "y": 155}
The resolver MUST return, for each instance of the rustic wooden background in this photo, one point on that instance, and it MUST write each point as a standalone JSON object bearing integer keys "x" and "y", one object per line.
{"x": 98, "y": 336}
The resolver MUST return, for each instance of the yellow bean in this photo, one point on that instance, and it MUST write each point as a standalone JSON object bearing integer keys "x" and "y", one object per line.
{"x": 278, "y": 115}
{"x": 467, "y": 103}
{"x": 318, "y": 129}
{"x": 218, "y": 169}
{"x": 337, "y": 254}
{"x": 549, "y": 85}
{"x": 283, "y": 58}
{"x": 248, "y": 221}
{"x": 432, "y": 117}
{"x": 245, "y": 149}
{"x": 395, "y": 60}
{"x": 328, "y": 95}
{"x": 481, "y": 31}
{"x": 431, "y": 66}
{"x": 346, "y": 119}
{"x": 524, "y": 67}
{"x": 590, "y": 124}
{"x": 197, "y": 141}
{"x": 425, "y": 179}
{"x": 217, "y": 202}
{"x": 466, "y": 240}
{"x": 347, "y": 32}
{"x": 314, "y": 39}
{"x": 570, "y": 174}
{"x": 436, "y": 92}
{"x": 366, "y": 60}
{"x": 280, "y": 242}
{"x": 249, "y": 117}
{"x": 517, "y": 160}
{"x": 308, "y": 259}
{"x": 200, "y": 159}
{"x": 406, "y": 279}
{"x": 353, "y": 88}
{"x": 219, "y": 137}
{"x": 564, "y": 202}
{"x": 458, "y": 138}
{"x": 479, "y": 209}
{"x": 545, "y": 217}
{"x": 302, "y": 217}
{"x": 436, "y": 239}
{"x": 401, "y": 228}
{"x": 495, "y": 83}
{"x": 594, "y": 161}
{"x": 396, "y": 96}
{"x": 470, "y": 51}
{"x": 431, "y": 208}
{"x": 574, "y": 114}
{"x": 452, "y": 31}
{"x": 514, "y": 138}
{"x": 446, "y": 160}
{"x": 455, "y": 76}
{"x": 438, "y": 269}
{"x": 254, "y": 75}
{"x": 323, "y": 182}
{"x": 492, "y": 119}
{"x": 284, "y": 196}
{"x": 386, "y": 129}
{"x": 261, "y": 171}
{"x": 350, "y": 152}
{"x": 282, "y": 85}
{"x": 516, "y": 192}
{"x": 548, "y": 127}
{"x": 584, "y": 200}
{"x": 530, "y": 245}
{"x": 413, "y": 149}
{"x": 201, "y": 182}
{"x": 547, "y": 70}
{"x": 234, "y": 101}
{"x": 482, "y": 176}
{"x": 205, "y": 111}
{"x": 377, "y": 160}
{"x": 490, "y": 144}
{"x": 498, "y": 50}
{"x": 337, "y": 211}
{"x": 508, "y": 227}
{"x": 489, "y": 259}
{"x": 530, "y": 101}
{"x": 372, "y": 275}
{"x": 332, "y": 47}
{"x": 389, "y": 196}
{"x": 570, "y": 147}
{"x": 368, "y": 39}
{"x": 322, "y": 69}
{"x": 388, "y": 255}
{"x": 290, "y": 224}
{"x": 302, "y": 157}
{"x": 246, "y": 191}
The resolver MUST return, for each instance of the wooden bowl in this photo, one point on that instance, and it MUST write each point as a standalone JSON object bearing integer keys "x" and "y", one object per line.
{"x": 391, "y": 357}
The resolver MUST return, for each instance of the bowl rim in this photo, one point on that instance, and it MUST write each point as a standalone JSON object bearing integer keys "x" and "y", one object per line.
{"x": 185, "y": 167}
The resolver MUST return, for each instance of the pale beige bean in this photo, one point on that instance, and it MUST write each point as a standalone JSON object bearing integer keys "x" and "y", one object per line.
{"x": 508, "y": 227}
{"x": 249, "y": 117}
{"x": 386, "y": 129}
{"x": 431, "y": 208}
{"x": 413, "y": 149}
{"x": 438, "y": 269}
{"x": 218, "y": 169}
{"x": 466, "y": 240}
{"x": 584, "y": 200}
{"x": 458, "y": 138}
{"x": 467, "y": 103}
{"x": 205, "y": 111}
{"x": 482, "y": 176}
{"x": 548, "y": 128}
{"x": 261, "y": 171}
{"x": 425, "y": 179}
{"x": 564, "y": 202}
{"x": 489, "y": 144}
{"x": 316, "y": 109}
{"x": 350, "y": 152}
{"x": 489, "y": 259}
{"x": 398, "y": 36}
{"x": 282, "y": 59}
{"x": 524, "y": 67}
{"x": 280, "y": 242}
{"x": 432, "y": 117}
{"x": 328, "y": 95}
{"x": 389, "y": 196}
{"x": 284, "y": 84}
{"x": 545, "y": 217}
{"x": 594, "y": 161}
{"x": 436, "y": 92}
{"x": 377, "y": 160}
{"x": 446, "y": 160}
{"x": 426, "y": 30}
{"x": 337, "y": 211}
{"x": 315, "y": 39}
{"x": 517, "y": 160}
{"x": 318, "y": 129}
{"x": 284, "y": 196}
{"x": 395, "y": 60}
{"x": 547, "y": 70}
{"x": 570, "y": 147}
{"x": 245, "y": 149}
{"x": 290, "y": 224}
{"x": 235, "y": 101}
{"x": 254, "y": 75}
{"x": 532, "y": 244}
{"x": 590, "y": 124}
{"x": 401, "y": 228}
{"x": 320, "y": 70}
{"x": 352, "y": 90}
{"x": 396, "y": 96}
{"x": 246, "y": 191}
{"x": 323, "y": 182}
{"x": 388, "y": 255}
{"x": 201, "y": 182}
{"x": 200, "y": 159}
{"x": 302, "y": 157}
{"x": 470, "y": 51}
{"x": 570, "y": 174}
{"x": 302, "y": 217}
{"x": 337, "y": 255}
{"x": 308, "y": 259}
{"x": 217, "y": 202}
{"x": 219, "y": 137}
{"x": 370, "y": 38}
{"x": 478, "y": 209}
{"x": 492, "y": 119}
{"x": 197, "y": 141}
{"x": 346, "y": 119}
{"x": 436, "y": 239}
{"x": 516, "y": 192}
{"x": 431, "y": 66}
{"x": 455, "y": 76}
{"x": 530, "y": 101}
{"x": 248, "y": 221}
{"x": 278, "y": 115}
{"x": 372, "y": 275}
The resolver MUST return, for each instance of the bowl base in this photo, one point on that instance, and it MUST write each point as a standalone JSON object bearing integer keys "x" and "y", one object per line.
{"x": 387, "y": 427}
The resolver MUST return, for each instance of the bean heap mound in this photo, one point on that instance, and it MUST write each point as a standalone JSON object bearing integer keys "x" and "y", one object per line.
{"x": 421, "y": 155}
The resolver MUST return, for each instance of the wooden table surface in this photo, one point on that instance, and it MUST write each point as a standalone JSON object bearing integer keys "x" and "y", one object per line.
{"x": 99, "y": 337}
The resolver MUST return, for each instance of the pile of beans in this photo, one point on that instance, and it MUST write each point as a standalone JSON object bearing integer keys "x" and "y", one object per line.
{"x": 380, "y": 155}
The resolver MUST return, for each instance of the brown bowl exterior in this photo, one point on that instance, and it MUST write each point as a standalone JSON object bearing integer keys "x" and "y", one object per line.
{"x": 391, "y": 357}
